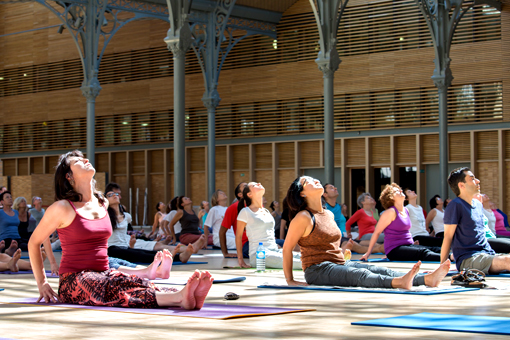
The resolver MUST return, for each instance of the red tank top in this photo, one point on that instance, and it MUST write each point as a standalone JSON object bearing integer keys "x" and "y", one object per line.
{"x": 85, "y": 244}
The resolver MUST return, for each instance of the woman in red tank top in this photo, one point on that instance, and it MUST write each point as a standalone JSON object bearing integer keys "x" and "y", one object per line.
{"x": 314, "y": 229}
{"x": 79, "y": 214}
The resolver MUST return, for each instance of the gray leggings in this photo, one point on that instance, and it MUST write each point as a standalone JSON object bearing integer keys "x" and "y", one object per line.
{"x": 353, "y": 274}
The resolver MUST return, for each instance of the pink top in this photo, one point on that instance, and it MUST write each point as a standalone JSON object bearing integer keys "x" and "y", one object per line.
{"x": 85, "y": 244}
{"x": 500, "y": 221}
{"x": 366, "y": 224}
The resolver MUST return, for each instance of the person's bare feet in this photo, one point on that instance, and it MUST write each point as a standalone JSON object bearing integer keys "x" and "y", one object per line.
{"x": 132, "y": 241}
{"x": 203, "y": 288}
{"x": 158, "y": 238}
{"x": 434, "y": 279}
{"x": 349, "y": 244}
{"x": 176, "y": 250}
{"x": 199, "y": 244}
{"x": 13, "y": 262}
{"x": 406, "y": 281}
{"x": 188, "y": 292}
{"x": 166, "y": 265}
{"x": 185, "y": 255}
{"x": 2, "y": 245}
{"x": 151, "y": 270}
{"x": 12, "y": 248}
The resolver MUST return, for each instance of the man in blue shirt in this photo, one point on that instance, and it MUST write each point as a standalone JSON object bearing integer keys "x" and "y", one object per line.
{"x": 465, "y": 226}
{"x": 330, "y": 195}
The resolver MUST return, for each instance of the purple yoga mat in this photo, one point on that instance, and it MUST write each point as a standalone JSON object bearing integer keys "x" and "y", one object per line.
{"x": 48, "y": 273}
{"x": 209, "y": 311}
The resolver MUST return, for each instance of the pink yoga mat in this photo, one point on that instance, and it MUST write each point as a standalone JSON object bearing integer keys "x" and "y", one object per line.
{"x": 210, "y": 311}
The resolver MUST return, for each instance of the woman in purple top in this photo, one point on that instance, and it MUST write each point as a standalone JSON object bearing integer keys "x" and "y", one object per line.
{"x": 395, "y": 223}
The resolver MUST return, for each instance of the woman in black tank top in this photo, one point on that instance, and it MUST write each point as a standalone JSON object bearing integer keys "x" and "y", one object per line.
{"x": 190, "y": 224}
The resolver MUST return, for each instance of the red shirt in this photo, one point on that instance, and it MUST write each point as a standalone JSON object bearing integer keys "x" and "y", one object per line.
{"x": 366, "y": 224}
{"x": 230, "y": 220}
{"x": 85, "y": 244}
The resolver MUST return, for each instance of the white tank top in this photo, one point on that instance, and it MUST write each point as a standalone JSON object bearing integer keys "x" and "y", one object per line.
{"x": 438, "y": 222}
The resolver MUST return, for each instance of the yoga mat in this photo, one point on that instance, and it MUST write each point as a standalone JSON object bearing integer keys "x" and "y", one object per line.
{"x": 421, "y": 290}
{"x": 209, "y": 311}
{"x": 386, "y": 260}
{"x": 506, "y": 274}
{"x": 25, "y": 257}
{"x": 183, "y": 282}
{"x": 1, "y": 289}
{"x": 445, "y": 322}
{"x": 48, "y": 273}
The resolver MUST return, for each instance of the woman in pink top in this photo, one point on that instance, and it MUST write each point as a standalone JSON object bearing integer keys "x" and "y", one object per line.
{"x": 500, "y": 222}
{"x": 365, "y": 219}
{"x": 80, "y": 216}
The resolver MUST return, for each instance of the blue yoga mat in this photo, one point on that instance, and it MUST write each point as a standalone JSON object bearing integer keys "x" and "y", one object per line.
{"x": 173, "y": 281}
{"x": 445, "y": 322}
{"x": 425, "y": 291}
{"x": 1, "y": 289}
{"x": 386, "y": 260}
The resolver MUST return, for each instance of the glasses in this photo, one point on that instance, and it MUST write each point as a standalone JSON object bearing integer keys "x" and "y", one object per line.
{"x": 111, "y": 194}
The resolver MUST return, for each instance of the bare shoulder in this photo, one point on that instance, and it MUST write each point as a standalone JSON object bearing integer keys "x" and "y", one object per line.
{"x": 303, "y": 217}
{"x": 329, "y": 213}
{"x": 61, "y": 212}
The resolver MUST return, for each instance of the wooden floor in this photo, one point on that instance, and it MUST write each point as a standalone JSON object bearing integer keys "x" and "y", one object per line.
{"x": 331, "y": 320}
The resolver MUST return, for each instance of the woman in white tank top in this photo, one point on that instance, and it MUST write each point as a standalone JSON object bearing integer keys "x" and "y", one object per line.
{"x": 435, "y": 215}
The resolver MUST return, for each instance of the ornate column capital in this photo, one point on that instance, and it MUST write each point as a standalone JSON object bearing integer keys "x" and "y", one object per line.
{"x": 211, "y": 100}
{"x": 179, "y": 41}
{"x": 90, "y": 88}
{"x": 328, "y": 63}
{"x": 443, "y": 77}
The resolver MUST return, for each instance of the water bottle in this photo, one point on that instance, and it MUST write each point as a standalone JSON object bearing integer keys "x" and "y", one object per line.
{"x": 261, "y": 258}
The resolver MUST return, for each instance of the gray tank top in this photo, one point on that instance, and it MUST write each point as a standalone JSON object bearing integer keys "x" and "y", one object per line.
{"x": 189, "y": 223}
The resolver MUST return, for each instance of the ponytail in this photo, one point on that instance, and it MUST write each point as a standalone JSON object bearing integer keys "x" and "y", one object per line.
{"x": 245, "y": 201}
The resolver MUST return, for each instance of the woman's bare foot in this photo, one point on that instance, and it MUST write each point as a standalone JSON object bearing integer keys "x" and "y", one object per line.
{"x": 349, "y": 244}
{"x": 199, "y": 244}
{"x": 434, "y": 279}
{"x": 132, "y": 241}
{"x": 163, "y": 271}
{"x": 203, "y": 288}
{"x": 185, "y": 255}
{"x": 12, "y": 248}
{"x": 2, "y": 245}
{"x": 13, "y": 263}
{"x": 158, "y": 238}
{"x": 406, "y": 281}
{"x": 176, "y": 250}
{"x": 188, "y": 292}
{"x": 151, "y": 271}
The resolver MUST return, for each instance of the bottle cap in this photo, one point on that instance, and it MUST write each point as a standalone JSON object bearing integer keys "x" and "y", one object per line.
{"x": 260, "y": 243}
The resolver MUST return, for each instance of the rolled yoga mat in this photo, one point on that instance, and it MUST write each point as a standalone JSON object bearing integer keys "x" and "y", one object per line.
{"x": 445, "y": 322}
{"x": 209, "y": 311}
{"x": 176, "y": 281}
{"x": 420, "y": 290}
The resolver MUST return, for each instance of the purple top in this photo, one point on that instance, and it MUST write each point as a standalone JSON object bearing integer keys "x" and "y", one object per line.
{"x": 397, "y": 232}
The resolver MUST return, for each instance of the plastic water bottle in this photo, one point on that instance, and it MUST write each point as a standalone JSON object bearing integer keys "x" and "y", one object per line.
{"x": 261, "y": 258}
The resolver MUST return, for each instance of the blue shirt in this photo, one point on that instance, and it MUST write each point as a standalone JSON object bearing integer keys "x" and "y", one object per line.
{"x": 9, "y": 226}
{"x": 469, "y": 238}
{"x": 339, "y": 217}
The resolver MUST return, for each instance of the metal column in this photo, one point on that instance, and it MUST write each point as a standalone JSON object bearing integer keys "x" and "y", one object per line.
{"x": 327, "y": 15}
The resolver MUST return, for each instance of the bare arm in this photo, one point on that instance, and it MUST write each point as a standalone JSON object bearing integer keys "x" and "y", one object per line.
{"x": 283, "y": 226}
{"x": 301, "y": 225}
{"x": 155, "y": 224}
{"x": 430, "y": 217}
{"x": 384, "y": 221}
{"x": 449, "y": 231}
{"x": 56, "y": 216}
{"x": 239, "y": 244}
{"x": 223, "y": 242}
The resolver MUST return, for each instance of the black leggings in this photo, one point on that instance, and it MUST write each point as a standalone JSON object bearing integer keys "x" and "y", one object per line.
{"x": 135, "y": 255}
{"x": 429, "y": 241}
{"x": 415, "y": 253}
{"x": 500, "y": 245}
